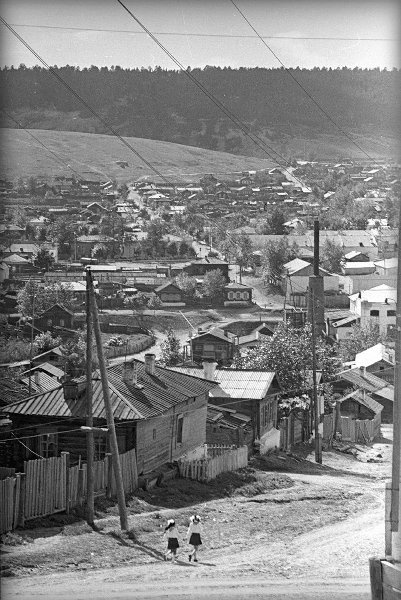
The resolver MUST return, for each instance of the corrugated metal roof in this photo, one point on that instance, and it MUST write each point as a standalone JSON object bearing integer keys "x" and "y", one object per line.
{"x": 42, "y": 382}
{"x": 53, "y": 404}
{"x": 249, "y": 385}
{"x": 11, "y": 391}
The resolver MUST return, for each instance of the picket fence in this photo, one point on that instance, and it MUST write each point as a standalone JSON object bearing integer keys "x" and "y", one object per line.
{"x": 221, "y": 460}
{"x": 355, "y": 430}
{"x": 50, "y": 485}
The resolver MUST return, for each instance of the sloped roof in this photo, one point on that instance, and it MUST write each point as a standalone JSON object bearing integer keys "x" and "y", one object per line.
{"x": 15, "y": 259}
{"x": 217, "y": 333}
{"x": 53, "y": 404}
{"x": 167, "y": 285}
{"x": 296, "y": 265}
{"x": 380, "y": 293}
{"x": 374, "y": 354}
{"x": 47, "y": 368}
{"x": 161, "y": 391}
{"x": 365, "y": 400}
{"x": 236, "y": 383}
{"x": 237, "y": 286}
{"x": 45, "y": 382}
{"x": 11, "y": 391}
{"x": 363, "y": 380}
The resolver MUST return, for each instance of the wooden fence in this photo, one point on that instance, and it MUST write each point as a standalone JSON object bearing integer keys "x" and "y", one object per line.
{"x": 206, "y": 469}
{"x": 355, "y": 430}
{"x": 50, "y": 485}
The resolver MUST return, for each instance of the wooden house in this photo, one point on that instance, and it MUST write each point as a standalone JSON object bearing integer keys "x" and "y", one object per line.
{"x": 247, "y": 397}
{"x": 359, "y": 379}
{"x": 54, "y": 318}
{"x": 237, "y": 294}
{"x": 158, "y": 412}
{"x": 199, "y": 268}
{"x": 214, "y": 344}
{"x": 170, "y": 294}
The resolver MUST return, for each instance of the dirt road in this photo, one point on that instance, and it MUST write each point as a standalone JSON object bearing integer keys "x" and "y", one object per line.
{"x": 329, "y": 562}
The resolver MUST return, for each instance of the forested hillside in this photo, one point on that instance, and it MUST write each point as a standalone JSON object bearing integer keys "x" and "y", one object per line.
{"x": 165, "y": 105}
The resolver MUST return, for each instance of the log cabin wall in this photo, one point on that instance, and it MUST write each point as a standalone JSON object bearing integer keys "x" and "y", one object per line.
{"x": 158, "y": 438}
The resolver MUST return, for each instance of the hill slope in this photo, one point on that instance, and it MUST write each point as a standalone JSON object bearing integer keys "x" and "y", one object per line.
{"x": 164, "y": 105}
{"x": 95, "y": 154}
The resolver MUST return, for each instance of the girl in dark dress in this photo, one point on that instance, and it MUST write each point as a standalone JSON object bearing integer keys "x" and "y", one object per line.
{"x": 171, "y": 533}
{"x": 194, "y": 536}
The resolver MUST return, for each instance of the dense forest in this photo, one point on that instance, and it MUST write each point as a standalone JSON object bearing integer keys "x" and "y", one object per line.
{"x": 165, "y": 105}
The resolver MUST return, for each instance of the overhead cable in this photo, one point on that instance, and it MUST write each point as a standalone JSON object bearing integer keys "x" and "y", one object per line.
{"x": 83, "y": 101}
{"x": 308, "y": 94}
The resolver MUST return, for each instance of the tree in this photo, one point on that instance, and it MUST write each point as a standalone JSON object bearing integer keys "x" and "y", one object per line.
{"x": 288, "y": 353}
{"x": 332, "y": 256}
{"x": 274, "y": 223}
{"x": 239, "y": 246}
{"x": 187, "y": 284}
{"x": 63, "y": 232}
{"x": 170, "y": 350}
{"x": 44, "y": 259}
{"x": 74, "y": 354}
{"x": 154, "y": 302}
{"x": 361, "y": 339}
{"x": 274, "y": 257}
{"x": 99, "y": 251}
{"x": 44, "y": 342}
{"x": 35, "y": 298}
{"x": 213, "y": 284}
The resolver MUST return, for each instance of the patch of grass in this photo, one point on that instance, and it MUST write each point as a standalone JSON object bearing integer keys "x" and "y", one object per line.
{"x": 15, "y": 539}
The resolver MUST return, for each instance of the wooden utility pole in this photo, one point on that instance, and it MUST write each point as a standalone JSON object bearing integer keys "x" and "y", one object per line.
{"x": 395, "y": 475}
{"x": 316, "y": 401}
{"x": 90, "y": 493}
{"x": 109, "y": 412}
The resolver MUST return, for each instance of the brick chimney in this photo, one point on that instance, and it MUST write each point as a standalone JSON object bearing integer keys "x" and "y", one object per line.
{"x": 150, "y": 363}
{"x": 209, "y": 369}
{"x": 129, "y": 372}
{"x": 70, "y": 389}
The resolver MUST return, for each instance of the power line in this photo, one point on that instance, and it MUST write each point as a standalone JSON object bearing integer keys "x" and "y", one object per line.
{"x": 211, "y": 35}
{"x": 258, "y": 141}
{"x": 84, "y": 102}
{"x": 308, "y": 94}
{"x": 55, "y": 154}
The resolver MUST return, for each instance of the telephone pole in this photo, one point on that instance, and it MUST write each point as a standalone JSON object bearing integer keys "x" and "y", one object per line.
{"x": 396, "y": 474}
{"x": 109, "y": 411}
{"x": 90, "y": 494}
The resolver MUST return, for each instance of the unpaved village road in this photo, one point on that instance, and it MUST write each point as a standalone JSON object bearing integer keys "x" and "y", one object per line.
{"x": 327, "y": 563}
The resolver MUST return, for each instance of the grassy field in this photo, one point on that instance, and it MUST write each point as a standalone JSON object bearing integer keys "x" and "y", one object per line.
{"x": 96, "y": 155}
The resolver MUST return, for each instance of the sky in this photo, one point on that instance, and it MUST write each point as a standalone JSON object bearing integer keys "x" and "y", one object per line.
{"x": 204, "y": 32}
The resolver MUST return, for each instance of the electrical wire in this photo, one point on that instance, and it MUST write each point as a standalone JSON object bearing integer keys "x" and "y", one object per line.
{"x": 257, "y": 140}
{"x": 55, "y": 154}
{"x": 212, "y": 35}
{"x": 84, "y": 102}
{"x": 308, "y": 94}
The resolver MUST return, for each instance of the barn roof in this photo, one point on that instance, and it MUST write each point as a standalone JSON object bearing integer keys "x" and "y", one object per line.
{"x": 365, "y": 400}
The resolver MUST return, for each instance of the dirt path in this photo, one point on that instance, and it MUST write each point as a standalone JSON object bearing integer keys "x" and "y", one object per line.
{"x": 327, "y": 562}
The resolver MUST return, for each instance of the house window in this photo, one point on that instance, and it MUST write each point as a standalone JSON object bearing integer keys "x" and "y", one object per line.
{"x": 374, "y": 313}
{"x": 391, "y": 313}
{"x": 245, "y": 296}
{"x": 238, "y": 295}
{"x": 62, "y": 322}
{"x": 49, "y": 322}
{"x": 48, "y": 445}
{"x": 180, "y": 423}
{"x": 100, "y": 447}
{"x": 230, "y": 295}
{"x": 154, "y": 434}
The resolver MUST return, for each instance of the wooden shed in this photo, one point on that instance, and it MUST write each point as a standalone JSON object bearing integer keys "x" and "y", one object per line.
{"x": 360, "y": 417}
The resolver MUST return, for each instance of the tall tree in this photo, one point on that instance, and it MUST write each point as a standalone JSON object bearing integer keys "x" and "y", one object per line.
{"x": 35, "y": 298}
{"x": 332, "y": 256}
{"x": 213, "y": 284}
{"x": 288, "y": 353}
{"x": 44, "y": 259}
{"x": 170, "y": 350}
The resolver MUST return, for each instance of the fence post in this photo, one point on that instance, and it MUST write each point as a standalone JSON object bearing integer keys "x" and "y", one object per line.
{"x": 109, "y": 475}
{"x": 387, "y": 520}
{"x": 17, "y": 493}
{"x": 66, "y": 456}
{"x": 21, "y": 508}
{"x": 80, "y": 494}
{"x": 376, "y": 586}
